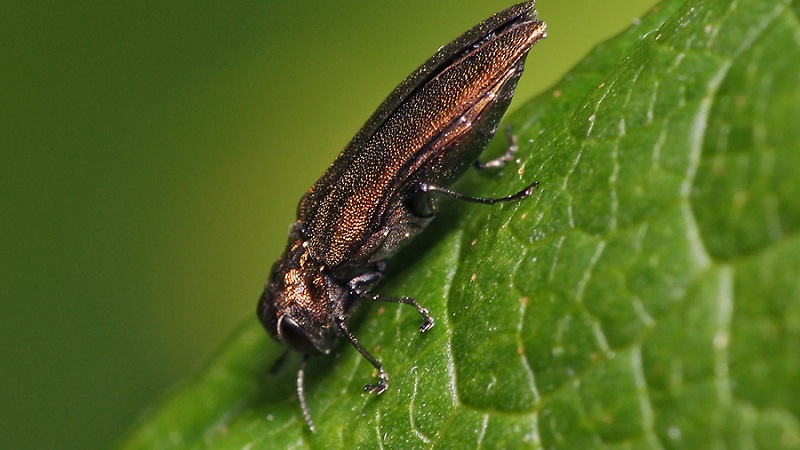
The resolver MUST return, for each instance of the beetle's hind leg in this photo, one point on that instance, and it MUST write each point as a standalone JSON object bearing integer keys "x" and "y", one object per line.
{"x": 486, "y": 201}
{"x": 499, "y": 162}
{"x": 502, "y": 160}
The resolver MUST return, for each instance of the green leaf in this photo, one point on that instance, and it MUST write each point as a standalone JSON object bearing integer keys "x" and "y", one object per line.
{"x": 647, "y": 295}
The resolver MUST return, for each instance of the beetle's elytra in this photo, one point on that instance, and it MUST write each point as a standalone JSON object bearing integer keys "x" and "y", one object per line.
{"x": 383, "y": 188}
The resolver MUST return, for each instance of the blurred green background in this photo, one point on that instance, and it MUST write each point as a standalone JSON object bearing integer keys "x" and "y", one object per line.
{"x": 152, "y": 158}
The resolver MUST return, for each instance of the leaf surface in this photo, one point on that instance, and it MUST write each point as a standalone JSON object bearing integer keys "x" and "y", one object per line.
{"x": 646, "y": 295}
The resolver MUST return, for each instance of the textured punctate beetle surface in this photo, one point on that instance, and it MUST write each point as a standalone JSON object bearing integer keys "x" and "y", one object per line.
{"x": 383, "y": 188}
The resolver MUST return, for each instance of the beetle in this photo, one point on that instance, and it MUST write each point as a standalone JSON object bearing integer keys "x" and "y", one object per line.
{"x": 383, "y": 188}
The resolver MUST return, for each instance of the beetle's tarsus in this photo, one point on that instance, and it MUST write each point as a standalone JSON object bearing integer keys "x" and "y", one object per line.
{"x": 502, "y": 160}
{"x": 427, "y": 323}
{"x": 382, "y": 385}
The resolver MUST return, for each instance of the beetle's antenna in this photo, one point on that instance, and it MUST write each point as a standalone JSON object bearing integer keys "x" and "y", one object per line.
{"x": 278, "y": 364}
{"x": 302, "y": 395}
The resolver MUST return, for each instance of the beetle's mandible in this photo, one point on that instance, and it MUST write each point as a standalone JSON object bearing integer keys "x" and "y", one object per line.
{"x": 383, "y": 188}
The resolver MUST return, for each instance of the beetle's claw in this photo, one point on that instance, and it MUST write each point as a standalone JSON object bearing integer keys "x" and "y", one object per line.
{"x": 427, "y": 324}
{"x": 380, "y": 387}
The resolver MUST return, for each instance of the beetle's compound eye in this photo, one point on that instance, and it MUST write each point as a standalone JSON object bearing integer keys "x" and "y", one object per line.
{"x": 294, "y": 336}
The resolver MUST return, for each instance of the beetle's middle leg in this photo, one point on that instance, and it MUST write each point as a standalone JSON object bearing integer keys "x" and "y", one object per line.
{"x": 370, "y": 279}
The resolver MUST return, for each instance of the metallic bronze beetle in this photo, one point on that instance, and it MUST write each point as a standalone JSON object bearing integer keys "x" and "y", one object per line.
{"x": 382, "y": 189}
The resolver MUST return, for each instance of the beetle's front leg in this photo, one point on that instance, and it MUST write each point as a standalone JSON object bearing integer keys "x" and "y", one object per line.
{"x": 383, "y": 377}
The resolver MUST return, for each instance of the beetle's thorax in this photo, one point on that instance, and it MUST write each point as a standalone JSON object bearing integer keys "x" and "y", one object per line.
{"x": 301, "y": 301}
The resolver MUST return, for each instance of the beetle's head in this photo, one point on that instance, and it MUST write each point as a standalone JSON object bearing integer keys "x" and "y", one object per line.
{"x": 300, "y": 303}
